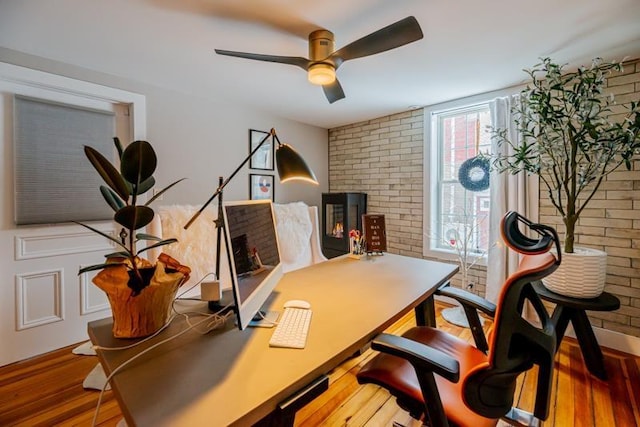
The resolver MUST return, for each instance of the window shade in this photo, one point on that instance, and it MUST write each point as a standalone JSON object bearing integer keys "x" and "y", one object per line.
{"x": 54, "y": 181}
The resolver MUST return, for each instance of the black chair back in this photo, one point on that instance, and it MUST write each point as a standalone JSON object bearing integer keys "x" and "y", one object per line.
{"x": 517, "y": 344}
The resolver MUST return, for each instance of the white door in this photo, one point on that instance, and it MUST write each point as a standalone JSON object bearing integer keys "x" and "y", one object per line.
{"x": 44, "y": 303}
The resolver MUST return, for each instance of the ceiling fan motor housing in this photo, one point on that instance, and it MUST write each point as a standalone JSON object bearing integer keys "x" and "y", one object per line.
{"x": 321, "y": 45}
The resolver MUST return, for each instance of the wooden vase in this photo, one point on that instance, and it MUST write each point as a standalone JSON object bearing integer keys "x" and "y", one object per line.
{"x": 141, "y": 315}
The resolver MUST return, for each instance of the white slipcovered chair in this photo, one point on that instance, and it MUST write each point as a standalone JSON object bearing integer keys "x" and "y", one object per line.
{"x": 298, "y": 237}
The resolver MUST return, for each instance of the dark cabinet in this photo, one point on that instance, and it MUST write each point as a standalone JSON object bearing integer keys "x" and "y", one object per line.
{"x": 341, "y": 212}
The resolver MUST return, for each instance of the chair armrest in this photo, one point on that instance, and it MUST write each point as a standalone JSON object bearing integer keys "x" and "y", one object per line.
{"x": 421, "y": 356}
{"x": 468, "y": 299}
{"x": 471, "y": 303}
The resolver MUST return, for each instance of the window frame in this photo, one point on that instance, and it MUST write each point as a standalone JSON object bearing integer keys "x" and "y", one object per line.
{"x": 430, "y": 172}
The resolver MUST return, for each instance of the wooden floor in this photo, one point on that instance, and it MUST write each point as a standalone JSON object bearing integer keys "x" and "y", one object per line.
{"x": 47, "y": 391}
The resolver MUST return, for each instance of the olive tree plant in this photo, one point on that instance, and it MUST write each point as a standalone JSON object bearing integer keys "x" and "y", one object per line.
{"x": 573, "y": 133}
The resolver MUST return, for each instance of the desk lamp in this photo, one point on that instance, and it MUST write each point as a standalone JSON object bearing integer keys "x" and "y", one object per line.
{"x": 291, "y": 166}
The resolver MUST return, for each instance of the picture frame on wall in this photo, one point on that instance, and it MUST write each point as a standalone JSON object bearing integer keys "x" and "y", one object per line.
{"x": 261, "y": 187}
{"x": 263, "y": 158}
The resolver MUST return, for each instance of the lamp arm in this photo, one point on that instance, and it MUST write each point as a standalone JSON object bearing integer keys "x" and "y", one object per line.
{"x": 218, "y": 191}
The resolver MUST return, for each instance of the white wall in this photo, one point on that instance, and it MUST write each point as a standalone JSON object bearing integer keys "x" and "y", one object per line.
{"x": 194, "y": 138}
{"x": 202, "y": 140}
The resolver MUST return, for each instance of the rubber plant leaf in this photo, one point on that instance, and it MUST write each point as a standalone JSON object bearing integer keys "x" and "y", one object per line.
{"x": 144, "y": 236}
{"x": 99, "y": 267}
{"x": 118, "y": 144}
{"x": 157, "y": 245}
{"x": 108, "y": 172}
{"x": 138, "y": 162}
{"x": 146, "y": 185}
{"x": 134, "y": 217}
{"x": 117, "y": 255}
{"x": 159, "y": 193}
{"x": 105, "y": 235}
{"x": 111, "y": 198}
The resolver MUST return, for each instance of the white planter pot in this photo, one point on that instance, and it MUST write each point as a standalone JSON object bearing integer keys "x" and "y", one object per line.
{"x": 580, "y": 275}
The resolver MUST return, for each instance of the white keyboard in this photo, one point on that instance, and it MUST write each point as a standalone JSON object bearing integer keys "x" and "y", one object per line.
{"x": 292, "y": 328}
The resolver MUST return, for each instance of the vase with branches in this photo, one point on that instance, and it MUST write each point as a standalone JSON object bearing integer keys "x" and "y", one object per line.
{"x": 463, "y": 238}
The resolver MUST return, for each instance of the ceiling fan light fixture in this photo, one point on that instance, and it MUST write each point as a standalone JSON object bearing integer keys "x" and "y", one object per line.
{"x": 321, "y": 74}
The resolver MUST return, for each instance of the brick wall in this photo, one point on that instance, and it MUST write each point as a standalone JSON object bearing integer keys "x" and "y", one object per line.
{"x": 383, "y": 157}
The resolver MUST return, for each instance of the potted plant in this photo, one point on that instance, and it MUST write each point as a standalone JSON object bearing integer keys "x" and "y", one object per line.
{"x": 572, "y": 142}
{"x": 139, "y": 292}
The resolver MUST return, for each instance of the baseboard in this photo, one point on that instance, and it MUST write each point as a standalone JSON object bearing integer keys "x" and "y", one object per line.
{"x": 613, "y": 340}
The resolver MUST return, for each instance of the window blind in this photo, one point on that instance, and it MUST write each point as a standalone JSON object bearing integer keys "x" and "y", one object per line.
{"x": 54, "y": 182}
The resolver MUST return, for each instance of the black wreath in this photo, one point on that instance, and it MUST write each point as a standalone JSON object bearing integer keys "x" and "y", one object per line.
{"x": 471, "y": 166}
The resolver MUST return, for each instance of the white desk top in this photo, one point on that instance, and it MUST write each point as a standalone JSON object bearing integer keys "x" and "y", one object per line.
{"x": 233, "y": 376}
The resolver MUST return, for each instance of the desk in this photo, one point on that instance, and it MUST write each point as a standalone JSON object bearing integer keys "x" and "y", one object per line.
{"x": 573, "y": 310}
{"x": 233, "y": 377}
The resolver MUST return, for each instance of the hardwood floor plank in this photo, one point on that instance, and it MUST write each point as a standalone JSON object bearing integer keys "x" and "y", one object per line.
{"x": 564, "y": 389}
{"x": 583, "y": 405}
{"x": 632, "y": 370}
{"x": 391, "y": 415}
{"x": 529, "y": 380}
{"x": 360, "y": 406}
{"x": 602, "y": 403}
{"x": 320, "y": 409}
{"x": 622, "y": 408}
{"x": 385, "y": 415}
{"x": 48, "y": 390}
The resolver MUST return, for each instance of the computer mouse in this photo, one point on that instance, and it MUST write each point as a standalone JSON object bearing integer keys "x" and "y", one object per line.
{"x": 297, "y": 303}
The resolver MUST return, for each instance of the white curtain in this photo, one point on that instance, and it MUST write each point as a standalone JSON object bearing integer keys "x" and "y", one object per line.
{"x": 508, "y": 192}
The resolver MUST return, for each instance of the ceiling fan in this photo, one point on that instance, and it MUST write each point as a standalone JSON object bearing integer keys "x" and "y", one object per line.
{"x": 324, "y": 61}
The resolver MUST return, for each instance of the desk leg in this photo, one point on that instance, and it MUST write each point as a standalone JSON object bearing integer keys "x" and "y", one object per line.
{"x": 589, "y": 346}
{"x": 426, "y": 313}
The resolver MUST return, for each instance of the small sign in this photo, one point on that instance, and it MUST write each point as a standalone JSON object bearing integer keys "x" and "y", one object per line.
{"x": 375, "y": 233}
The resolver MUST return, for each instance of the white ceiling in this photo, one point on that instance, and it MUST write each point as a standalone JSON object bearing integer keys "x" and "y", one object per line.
{"x": 469, "y": 46}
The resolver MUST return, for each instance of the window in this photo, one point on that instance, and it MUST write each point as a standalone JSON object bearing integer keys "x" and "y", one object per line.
{"x": 456, "y": 219}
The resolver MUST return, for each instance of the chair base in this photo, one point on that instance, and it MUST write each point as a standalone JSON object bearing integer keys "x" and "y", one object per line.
{"x": 520, "y": 418}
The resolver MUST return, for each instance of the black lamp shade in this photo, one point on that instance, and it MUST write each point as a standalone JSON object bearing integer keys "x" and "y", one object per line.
{"x": 291, "y": 166}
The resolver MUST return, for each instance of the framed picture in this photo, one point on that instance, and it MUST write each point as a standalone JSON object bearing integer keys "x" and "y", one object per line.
{"x": 261, "y": 187}
{"x": 263, "y": 158}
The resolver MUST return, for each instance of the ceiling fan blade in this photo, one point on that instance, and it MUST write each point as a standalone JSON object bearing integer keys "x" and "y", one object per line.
{"x": 398, "y": 34}
{"x": 333, "y": 91}
{"x": 290, "y": 60}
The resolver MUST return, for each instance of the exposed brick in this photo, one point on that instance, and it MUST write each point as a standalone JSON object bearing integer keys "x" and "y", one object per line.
{"x": 383, "y": 157}
{"x": 624, "y": 79}
{"x": 621, "y": 89}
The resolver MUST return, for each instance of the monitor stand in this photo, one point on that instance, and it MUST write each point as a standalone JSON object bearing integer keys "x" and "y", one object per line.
{"x": 224, "y": 305}
{"x": 265, "y": 319}
{"x": 218, "y": 307}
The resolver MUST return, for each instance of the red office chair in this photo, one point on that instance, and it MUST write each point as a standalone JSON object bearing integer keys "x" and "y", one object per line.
{"x": 471, "y": 386}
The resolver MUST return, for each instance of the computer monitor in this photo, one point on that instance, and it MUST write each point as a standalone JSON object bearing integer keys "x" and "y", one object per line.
{"x": 256, "y": 266}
